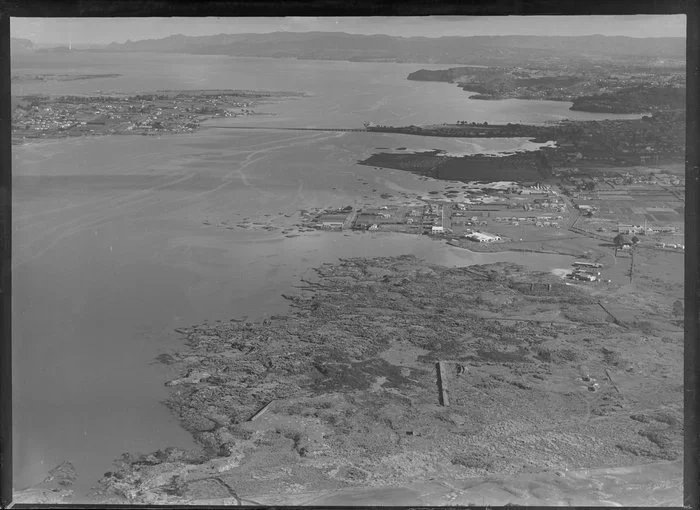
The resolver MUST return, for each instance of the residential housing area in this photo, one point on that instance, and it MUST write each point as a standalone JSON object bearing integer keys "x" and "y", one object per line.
{"x": 39, "y": 116}
{"x": 512, "y": 212}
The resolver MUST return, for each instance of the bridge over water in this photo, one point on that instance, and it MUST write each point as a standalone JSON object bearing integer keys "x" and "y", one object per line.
{"x": 277, "y": 128}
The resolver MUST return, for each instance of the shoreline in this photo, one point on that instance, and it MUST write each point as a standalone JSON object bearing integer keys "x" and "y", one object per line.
{"x": 274, "y": 423}
{"x": 310, "y": 392}
{"x": 588, "y": 89}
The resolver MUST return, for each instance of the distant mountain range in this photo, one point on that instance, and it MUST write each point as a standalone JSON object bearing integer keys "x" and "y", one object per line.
{"x": 21, "y": 45}
{"x": 448, "y": 50}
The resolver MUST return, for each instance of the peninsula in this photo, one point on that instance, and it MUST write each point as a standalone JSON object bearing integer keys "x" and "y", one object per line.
{"x": 151, "y": 113}
{"x": 342, "y": 392}
{"x": 601, "y": 88}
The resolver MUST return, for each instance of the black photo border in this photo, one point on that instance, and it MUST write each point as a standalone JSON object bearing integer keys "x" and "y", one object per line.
{"x": 249, "y": 8}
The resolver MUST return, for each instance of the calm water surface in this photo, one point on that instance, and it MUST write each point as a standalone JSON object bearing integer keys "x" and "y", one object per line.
{"x": 344, "y": 94}
{"x": 119, "y": 240}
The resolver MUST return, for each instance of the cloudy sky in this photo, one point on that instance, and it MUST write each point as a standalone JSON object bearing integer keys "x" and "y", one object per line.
{"x": 107, "y": 30}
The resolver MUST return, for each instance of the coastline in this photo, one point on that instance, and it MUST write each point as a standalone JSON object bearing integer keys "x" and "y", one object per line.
{"x": 146, "y": 114}
{"x": 215, "y": 237}
{"x": 319, "y": 364}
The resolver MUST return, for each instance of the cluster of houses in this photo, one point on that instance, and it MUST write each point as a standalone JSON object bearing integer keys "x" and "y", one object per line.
{"x": 539, "y": 221}
{"x": 428, "y": 219}
{"x": 547, "y": 204}
{"x": 411, "y": 219}
{"x": 585, "y": 271}
{"x": 460, "y": 218}
{"x": 389, "y": 218}
{"x": 332, "y": 221}
{"x": 584, "y": 181}
{"x": 646, "y": 229}
{"x": 335, "y": 219}
{"x": 587, "y": 210}
{"x": 671, "y": 246}
{"x": 43, "y": 119}
{"x": 125, "y": 114}
{"x": 433, "y": 218}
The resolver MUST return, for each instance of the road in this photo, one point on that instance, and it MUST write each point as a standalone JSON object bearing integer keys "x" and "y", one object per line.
{"x": 350, "y": 220}
{"x": 574, "y": 216}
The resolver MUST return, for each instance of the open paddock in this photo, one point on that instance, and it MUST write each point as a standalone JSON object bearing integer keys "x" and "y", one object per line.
{"x": 528, "y": 232}
{"x": 639, "y": 209}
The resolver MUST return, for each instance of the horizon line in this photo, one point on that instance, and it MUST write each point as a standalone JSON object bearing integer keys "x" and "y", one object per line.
{"x": 684, "y": 36}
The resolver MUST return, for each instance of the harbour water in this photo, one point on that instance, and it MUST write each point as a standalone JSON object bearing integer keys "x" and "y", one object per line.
{"x": 119, "y": 240}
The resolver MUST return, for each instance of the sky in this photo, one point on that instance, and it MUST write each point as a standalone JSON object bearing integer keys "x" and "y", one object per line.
{"x": 46, "y": 31}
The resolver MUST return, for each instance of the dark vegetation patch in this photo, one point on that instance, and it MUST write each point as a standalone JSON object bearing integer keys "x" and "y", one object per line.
{"x": 632, "y": 100}
{"x": 354, "y": 474}
{"x": 522, "y": 167}
{"x": 548, "y": 355}
{"x": 612, "y": 357}
{"x": 646, "y": 327}
{"x": 519, "y": 356}
{"x": 660, "y": 438}
{"x": 640, "y": 417}
{"x": 332, "y": 375}
{"x": 165, "y": 359}
{"x": 477, "y": 460}
{"x": 529, "y": 166}
{"x": 421, "y": 163}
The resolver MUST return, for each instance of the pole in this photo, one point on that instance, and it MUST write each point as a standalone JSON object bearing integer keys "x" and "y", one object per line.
{"x": 632, "y": 266}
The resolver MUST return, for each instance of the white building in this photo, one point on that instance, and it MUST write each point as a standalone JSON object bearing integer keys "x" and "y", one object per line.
{"x": 436, "y": 229}
{"x": 483, "y": 237}
{"x": 630, "y": 229}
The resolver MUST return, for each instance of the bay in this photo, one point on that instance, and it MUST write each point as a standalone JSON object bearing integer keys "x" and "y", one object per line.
{"x": 119, "y": 240}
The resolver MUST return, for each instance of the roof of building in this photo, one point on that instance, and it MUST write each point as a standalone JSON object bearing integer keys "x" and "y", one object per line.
{"x": 482, "y": 235}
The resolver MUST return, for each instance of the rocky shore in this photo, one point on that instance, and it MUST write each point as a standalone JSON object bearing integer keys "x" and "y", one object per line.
{"x": 342, "y": 392}
{"x": 56, "y": 488}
